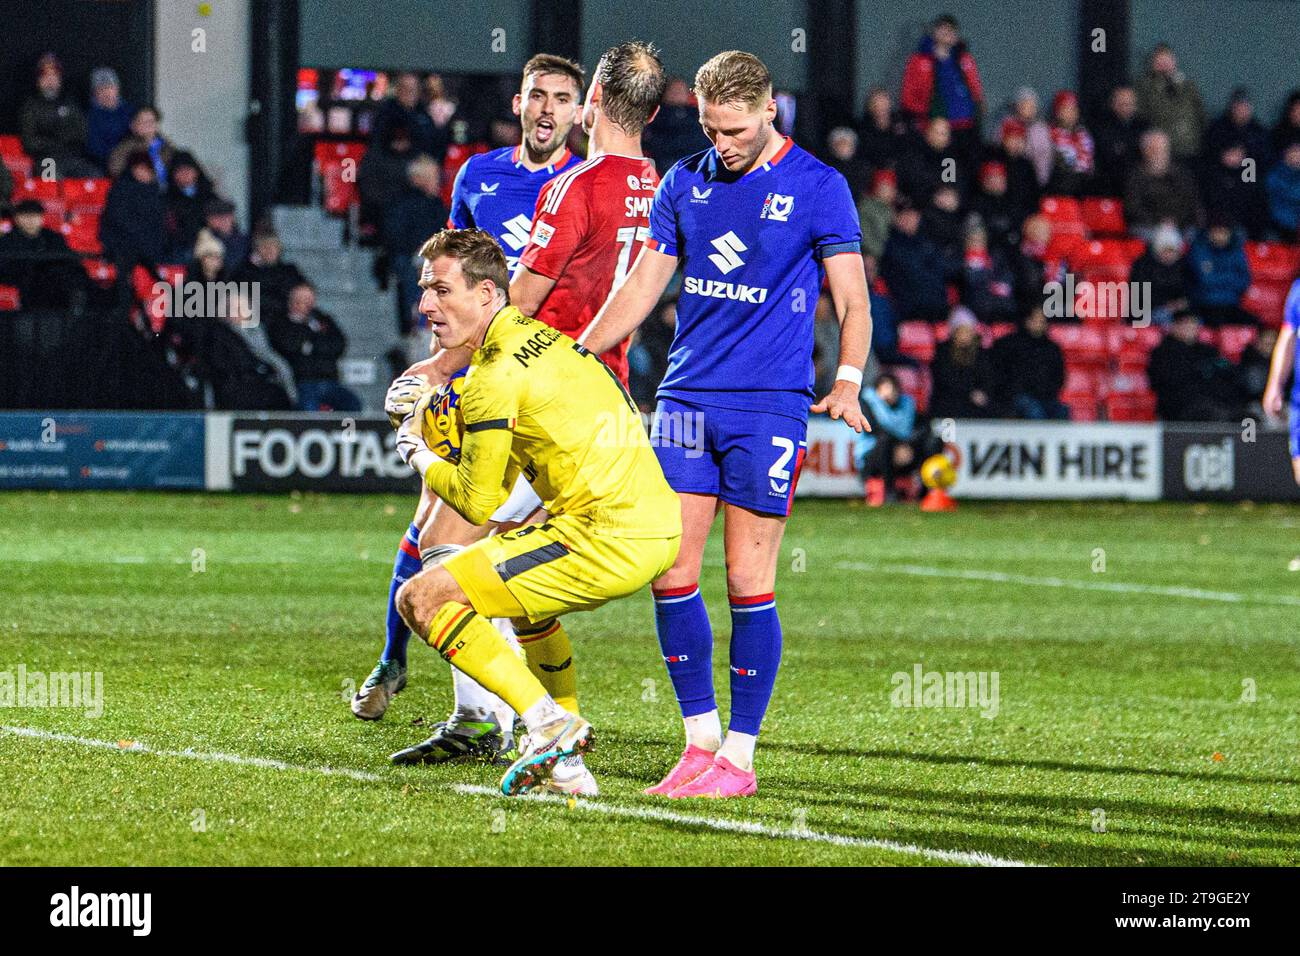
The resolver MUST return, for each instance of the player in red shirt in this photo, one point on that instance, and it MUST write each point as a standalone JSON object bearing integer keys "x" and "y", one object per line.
{"x": 591, "y": 220}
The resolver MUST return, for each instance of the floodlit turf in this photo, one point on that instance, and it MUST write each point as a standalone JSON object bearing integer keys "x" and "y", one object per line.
{"x": 1148, "y": 664}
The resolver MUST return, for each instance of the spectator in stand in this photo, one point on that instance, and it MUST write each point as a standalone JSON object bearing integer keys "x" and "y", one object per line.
{"x": 876, "y": 211}
{"x": 1038, "y": 148}
{"x": 416, "y": 214}
{"x": 209, "y": 261}
{"x": 228, "y": 352}
{"x": 1001, "y": 217}
{"x": 219, "y": 217}
{"x": 403, "y": 109}
{"x": 1072, "y": 165}
{"x": 1163, "y": 269}
{"x": 826, "y": 342}
{"x": 884, "y": 319}
{"x": 962, "y": 375}
{"x": 144, "y": 136}
{"x": 1287, "y": 129}
{"x": 6, "y": 187}
{"x": 1192, "y": 381}
{"x": 1158, "y": 190}
{"x": 133, "y": 228}
{"x": 381, "y": 177}
{"x": 675, "y": 131}
{"x": 914, "y": 269}
{"x": 109, "y": 119}
{"x": 1253, "y": 368}
{"x": 942, "y": 81}
{"x": 1237, "y": 126}
{"x": 1118, "y": 136}
{"x": 928, "y": 163}
{"x": 188, "y": 193}
{"x": 895, "y": 446}
{"x": 1169, "y": 101}
{"x": 943, "y": 223}
{"x": 1284, "y": 194}
{"x": 882, "y": 132}
{"x": 53, "y": 126}
{"x": 36, "y": 260}
{"x": 1219, "y": 274}
{"x": 1228, "y": 193}
{"x": 648, "y": 356}
{"x": 312, "y": 343}
{"x": 842, "y": 150}
{"x": 1030, "y": 370}
{"x": 442, "y": 111}
{"x": 1023, "y": 188}
{"x": 988, "y": 286}
{"x": 275, "y": 277}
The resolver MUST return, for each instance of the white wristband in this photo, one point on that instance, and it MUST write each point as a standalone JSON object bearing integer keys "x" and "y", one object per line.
{"x": 849, "y": 373}
{"x": 421, "y": 461}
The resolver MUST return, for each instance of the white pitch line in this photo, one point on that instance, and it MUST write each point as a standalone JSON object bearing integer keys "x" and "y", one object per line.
{"x": 747, "y": 827}
{"x": 1001, "y": 577}
{"x": 751, "y": 828}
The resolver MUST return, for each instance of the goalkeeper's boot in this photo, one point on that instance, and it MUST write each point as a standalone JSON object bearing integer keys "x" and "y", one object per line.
{"x": 572, "y": 779}
{"x": 546, "y": 747}
{"x": 723, "y": 779}
{"x": 694, "y": 762}
{"x": 384, "y": 683}
{"x": 455, "y": 739}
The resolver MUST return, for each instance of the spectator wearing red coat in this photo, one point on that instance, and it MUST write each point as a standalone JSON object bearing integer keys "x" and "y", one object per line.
{"x": 1072, "y": 147}
{"x": 941, "y": 80}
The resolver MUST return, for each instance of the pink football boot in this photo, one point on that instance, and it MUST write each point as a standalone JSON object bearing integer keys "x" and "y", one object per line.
{"x": 695, "y": 761}
{"x": 723, "y": 779}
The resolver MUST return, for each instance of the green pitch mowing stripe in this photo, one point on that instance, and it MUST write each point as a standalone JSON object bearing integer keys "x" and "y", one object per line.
{"x": 1144, "y": 714}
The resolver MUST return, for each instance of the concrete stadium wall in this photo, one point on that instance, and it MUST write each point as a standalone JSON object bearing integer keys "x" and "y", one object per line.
{"x": 203, "y": 94}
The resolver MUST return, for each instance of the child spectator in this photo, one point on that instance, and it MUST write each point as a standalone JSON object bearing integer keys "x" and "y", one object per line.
{"x": 894, "y": 447}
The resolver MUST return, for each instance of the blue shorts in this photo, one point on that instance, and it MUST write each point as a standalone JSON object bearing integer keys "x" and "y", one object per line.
{"x": 750, "y": 459}
{"x": 1295, "y": 430}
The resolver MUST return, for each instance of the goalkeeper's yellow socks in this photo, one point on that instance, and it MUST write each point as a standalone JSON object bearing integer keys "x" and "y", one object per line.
{"x": 550, "y": 658}
{"x": 471, "y": 644}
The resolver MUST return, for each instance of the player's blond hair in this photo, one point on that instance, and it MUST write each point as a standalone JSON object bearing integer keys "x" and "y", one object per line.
{"x": 477, "y": 252}
{"x": 735, "y": 77}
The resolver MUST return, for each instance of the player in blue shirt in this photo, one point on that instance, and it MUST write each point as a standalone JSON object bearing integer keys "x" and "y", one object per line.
{"x": 1286, "y": 359}
{"x": 497, "y": 192}
{"x": 755, "y": 222}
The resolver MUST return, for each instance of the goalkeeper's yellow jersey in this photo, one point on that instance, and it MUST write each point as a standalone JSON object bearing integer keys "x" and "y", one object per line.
{"x": 536, "y": 403}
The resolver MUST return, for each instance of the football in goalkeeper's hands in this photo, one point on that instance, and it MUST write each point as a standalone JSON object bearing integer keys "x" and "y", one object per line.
{"x": 443, "y": 427}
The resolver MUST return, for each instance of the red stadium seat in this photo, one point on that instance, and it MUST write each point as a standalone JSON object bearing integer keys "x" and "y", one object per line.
{"x": 9, "y": 299}
{"x": 42, "y": 190}
{"x": 457, "y": 154}
{"x": 1103, "y": 216}
{"x": 11, "y": 145}
{"x": 1273, "y": 261}
{"x": 54, "y": 214}
{"x": 1266, "y": 300}
{"x": 1063, "y": 211}
{"x": 85, "y": 195}
{"x": 916, "y": 340}
{"x": 1083, "y": 345}
{"x": 1081, "y": 394}
{"x": 334, "y": 152}
{"x": 1102, "y": 260}
{"x": 1233, "y": 340}
{"x": 100, "y": 272}
{"x": 1000, "y": 329}
{"x": 914, "y": 382}
{"x": 82, "y": 234}
{"x": 1131, "y": 407}
{"x": 12, "y": 155}
{"x": 1062, "y": 244}
{"x": 338, "y": 163}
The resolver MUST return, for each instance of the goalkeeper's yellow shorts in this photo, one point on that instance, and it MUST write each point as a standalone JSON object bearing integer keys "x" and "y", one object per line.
{"x": 562, "y": 565}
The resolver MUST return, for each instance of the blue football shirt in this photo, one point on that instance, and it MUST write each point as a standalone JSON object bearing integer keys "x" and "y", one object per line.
{"x": 1291, "y": 316}
{"x": 496, "y": 192}
{"x": 751, "y": 249}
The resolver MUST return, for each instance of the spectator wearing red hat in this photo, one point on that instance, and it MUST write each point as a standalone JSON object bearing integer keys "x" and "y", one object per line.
{"x": 876, "y": 211}
{"x": 1023, "y": 187}
{"x": 1118, "y": 135}
{"x": 942, "y": 81}
{"x": 53, "y": 126}
{"x": 1000, "y": 216}
{"x": 1072, "y": 164}
{"x": 988, "y": 286}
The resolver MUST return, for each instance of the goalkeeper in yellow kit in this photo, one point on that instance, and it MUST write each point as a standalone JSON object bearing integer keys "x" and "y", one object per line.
{"x": 533, "y": 402}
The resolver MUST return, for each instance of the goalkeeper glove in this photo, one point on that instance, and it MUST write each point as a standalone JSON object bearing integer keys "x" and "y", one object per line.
{"x": 402, "y": 395}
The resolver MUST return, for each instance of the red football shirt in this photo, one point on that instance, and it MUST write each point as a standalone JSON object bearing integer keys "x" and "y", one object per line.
{"x": 588, "y": 227}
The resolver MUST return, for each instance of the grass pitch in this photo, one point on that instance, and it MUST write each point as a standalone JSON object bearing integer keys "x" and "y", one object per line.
{"x": 1146, "y": 658}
